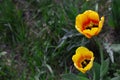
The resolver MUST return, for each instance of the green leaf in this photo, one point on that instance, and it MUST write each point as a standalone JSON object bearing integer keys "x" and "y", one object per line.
{"x": 70, "y": 77}
{"x": 83, "y": 78}
{"x": 115, "y": 47}
{"x": 116, "y": 78}
{"x": 3, "y": 53}
{"x": 104, "y": 68}
{"x": 96, "y": 71}
{"x": 111, "y": 22}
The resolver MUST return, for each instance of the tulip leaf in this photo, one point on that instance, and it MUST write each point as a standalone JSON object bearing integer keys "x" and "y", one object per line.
{"x": 3, "y": 53}
{"x": 111, "y": 22}
{"x": 96, "y": 71}
{"x": 104, "y": 68}
{"x": 116, "y": 78}
{"x": 115, "y": 47}
{"x": 83, "y": 78}
{"x": 72, "y": 76}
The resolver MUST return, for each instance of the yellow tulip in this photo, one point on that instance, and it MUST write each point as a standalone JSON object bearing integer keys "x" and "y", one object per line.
{"x": 83, "y": 59}
{"x": 88, "y": 23}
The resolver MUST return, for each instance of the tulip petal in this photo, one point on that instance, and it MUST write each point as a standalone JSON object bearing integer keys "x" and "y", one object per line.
{"x": 88, "y": 67}
{"x": 92, "y": 15}
{"x": 84, "y": 50}
{"x": 79, "y": 54}
{"x": 100, "y": 25}
{"x": 81, "y": 21}
{"x": 89, "y": 33}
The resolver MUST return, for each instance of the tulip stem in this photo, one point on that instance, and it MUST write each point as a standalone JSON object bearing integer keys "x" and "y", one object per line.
{"x": 102, "y": 58}
{"x": 100, "y": 49}
{"x": 101, "y": 54}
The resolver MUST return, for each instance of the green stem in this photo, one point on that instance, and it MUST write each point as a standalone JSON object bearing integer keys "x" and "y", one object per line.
{"x": 100, "y": 49}
{"x": 102, "y": 58}
{"x": 101, "y": 54}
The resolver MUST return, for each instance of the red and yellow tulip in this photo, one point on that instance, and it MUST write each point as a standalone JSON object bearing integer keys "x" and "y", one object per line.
{"x": 89, "y": 23}
{"x": 83, "y": 59}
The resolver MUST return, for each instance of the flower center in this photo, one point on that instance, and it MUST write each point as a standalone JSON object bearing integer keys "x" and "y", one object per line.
{"x": 85, "y": 63}
{"x": 91, "y": 25}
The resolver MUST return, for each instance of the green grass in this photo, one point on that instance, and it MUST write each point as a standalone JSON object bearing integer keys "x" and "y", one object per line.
{"x": 39, "y": 38}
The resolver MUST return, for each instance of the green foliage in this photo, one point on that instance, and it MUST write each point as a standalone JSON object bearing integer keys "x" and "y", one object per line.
{"x": 115, "y": 17}
{"x": 116, "y": 78}
{"x": 73, "y": 77}
{"x": 7, "y": 70}
{"x": 38, "y": 39}
{"x": 96, "y": 71}
{"x": 12, "y": 27}
{"x": 116, "y": 47}
{"x": 104, "y": 68}
{"x": 70, "y": 77}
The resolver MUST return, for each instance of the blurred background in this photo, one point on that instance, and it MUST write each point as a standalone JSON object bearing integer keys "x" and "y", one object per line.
{"x": 38, "y": 38}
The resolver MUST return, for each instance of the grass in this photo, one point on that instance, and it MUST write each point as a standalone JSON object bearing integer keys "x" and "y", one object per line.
{"x": 38, "y": 38}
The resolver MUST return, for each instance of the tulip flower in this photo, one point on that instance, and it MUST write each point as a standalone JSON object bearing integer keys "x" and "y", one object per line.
{"x": 83, "y": 59}
{"x": 89, "y": 23}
